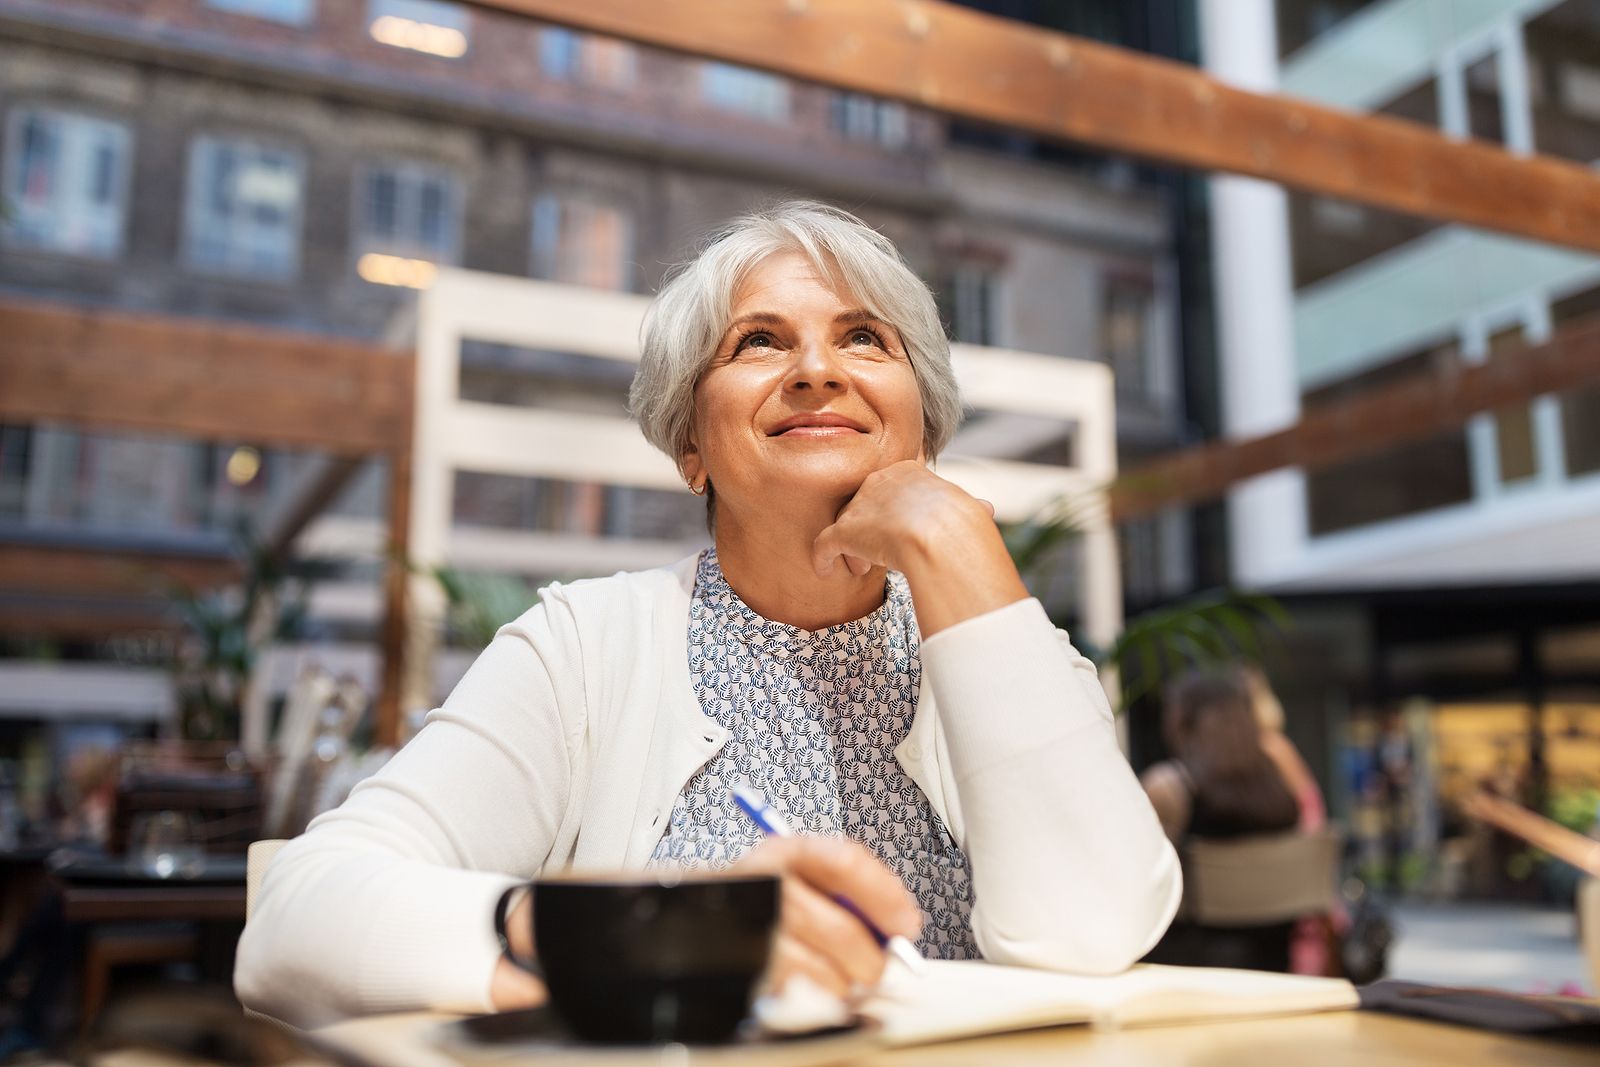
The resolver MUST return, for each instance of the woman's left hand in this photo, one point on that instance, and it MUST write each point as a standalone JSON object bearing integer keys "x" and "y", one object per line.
{"x": 943, "y": 539}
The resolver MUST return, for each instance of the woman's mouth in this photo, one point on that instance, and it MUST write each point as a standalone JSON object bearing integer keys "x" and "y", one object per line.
{"x": 816, "y": 424}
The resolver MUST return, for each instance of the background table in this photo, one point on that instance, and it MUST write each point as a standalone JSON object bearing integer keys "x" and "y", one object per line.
{"x": 1326, "y": 1040}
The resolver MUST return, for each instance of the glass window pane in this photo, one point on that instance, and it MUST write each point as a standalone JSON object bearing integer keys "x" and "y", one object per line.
{"x": 382, "y": 203}
{"x": 751, "y": 92}
{"x": 1563, "y": 45}
{"x": 431, "y": 26}
{"x": 40, "y": 149}
{"x": 294, "y": 12}
{"x": 1484, "y": 113}
{"x": 63, "y": 182}
{"x": 558, "y": 52}
{"x": 102, "y": 178}
{"x": 1580, "y": 408}
{"x": 580, "y": 242}
{"x": 1412, "y": 478}
{"x": 1514, "y": 442}
{"x": 430, "y": 226}
{"x": 244, "y": 217}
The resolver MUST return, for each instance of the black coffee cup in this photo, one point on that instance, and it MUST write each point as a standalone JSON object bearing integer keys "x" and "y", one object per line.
{"x": 633, "y": 961}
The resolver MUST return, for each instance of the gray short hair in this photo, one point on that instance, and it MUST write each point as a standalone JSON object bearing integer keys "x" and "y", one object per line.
{"x": 686, "y": 320}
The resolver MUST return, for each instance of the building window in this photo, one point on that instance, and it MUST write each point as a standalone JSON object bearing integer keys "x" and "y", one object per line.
{"x": 1410, "y": 478}
{"x": 1563, "y": 45}
{"x": 293, "y": 12}
{"x": 432, "y": 26}
{"x": 582, "y": 242}
{"x": 749, "y": 92}
{"x": 407, "y": 212}
{"x": 1580, "y": 407}
{"x": 974, "y": 295}
{"x": 560, "y": 52}
{"x": 65, "y": 183}
{"x": 865, "y": 118}
{"x": 16, "y": 448}
{"x": 244, "y": 208}
{"x": 603, "y": 61}
{"x": 1125, "y": 333}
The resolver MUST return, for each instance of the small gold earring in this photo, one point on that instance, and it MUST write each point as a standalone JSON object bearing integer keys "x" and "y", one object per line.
{"x": 700, "y": 491}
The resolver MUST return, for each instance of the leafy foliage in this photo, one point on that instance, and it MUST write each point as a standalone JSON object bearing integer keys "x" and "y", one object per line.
{"x": 479, "y": 604}
{"x": 1212, "y": 629}
{"x": 226, "y": 630}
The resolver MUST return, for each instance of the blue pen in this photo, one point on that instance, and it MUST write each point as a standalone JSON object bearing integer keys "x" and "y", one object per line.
{"x": 770, "y": 823}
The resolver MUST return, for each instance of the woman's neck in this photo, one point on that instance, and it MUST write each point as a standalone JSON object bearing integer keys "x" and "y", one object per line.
{"x": 768, "y": 564}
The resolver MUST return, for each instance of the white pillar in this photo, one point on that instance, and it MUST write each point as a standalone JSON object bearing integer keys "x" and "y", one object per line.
{"x": 1253, "y": 275}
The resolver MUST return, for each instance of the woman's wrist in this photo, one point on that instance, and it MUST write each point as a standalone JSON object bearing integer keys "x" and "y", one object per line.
{"x": 958, "y": 571}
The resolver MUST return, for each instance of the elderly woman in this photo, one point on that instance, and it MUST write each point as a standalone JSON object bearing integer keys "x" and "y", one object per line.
{"x": 857, "y": 645}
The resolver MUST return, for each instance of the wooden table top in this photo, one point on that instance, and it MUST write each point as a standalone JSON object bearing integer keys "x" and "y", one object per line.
{"x": 1334, "y": 1039}
{"x": 194, "y": 903}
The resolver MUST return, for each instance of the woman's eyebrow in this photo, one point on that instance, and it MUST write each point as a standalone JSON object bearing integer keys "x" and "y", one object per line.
{"x": 757, "y": 318}
{"x": 855, "y": 317}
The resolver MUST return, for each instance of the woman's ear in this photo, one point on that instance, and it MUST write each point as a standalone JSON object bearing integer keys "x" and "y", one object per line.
{"x": 691, "y": 466}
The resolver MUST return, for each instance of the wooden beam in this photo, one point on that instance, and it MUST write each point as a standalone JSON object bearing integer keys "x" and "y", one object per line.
{"x": 394, "y": 635}
{"x": 1366, "y": 424}
{"x": 1007, "y": 73}
{"x": 102, "y": 369}
{"x": 31, "y": 568}
{"x": 322, "y": 485}
{"x": 83, "y": 618}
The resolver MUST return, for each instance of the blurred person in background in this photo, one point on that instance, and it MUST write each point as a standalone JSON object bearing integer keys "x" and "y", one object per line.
{"x": 857, "y": 645}
{"x": 1219, "y": 783}
{"x": 1309, "y": 950}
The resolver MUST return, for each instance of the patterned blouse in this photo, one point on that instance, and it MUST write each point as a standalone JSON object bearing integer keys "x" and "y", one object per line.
{"x": 813, "y": 718}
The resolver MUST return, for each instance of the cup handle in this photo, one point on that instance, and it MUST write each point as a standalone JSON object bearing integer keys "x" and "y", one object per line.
{"x": 502, "y": 912}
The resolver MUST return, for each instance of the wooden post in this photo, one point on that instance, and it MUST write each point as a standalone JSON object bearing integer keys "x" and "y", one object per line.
{"x": 393, "y": 639}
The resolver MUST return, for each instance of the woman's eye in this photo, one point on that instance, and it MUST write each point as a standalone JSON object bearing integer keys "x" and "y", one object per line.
{"x": 864, "y": 337}
{"x": 757, "y": 340}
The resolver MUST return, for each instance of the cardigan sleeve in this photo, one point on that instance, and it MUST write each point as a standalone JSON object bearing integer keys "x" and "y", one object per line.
{"x": 1071, "y": 870}
{"x": 386, "y": 903}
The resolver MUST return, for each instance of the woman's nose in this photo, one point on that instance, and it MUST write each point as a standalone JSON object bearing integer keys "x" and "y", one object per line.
{"x": 816, "y": 366}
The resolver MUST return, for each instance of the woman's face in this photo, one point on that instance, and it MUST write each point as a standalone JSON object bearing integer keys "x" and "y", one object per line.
{"x": 806, "y": 395}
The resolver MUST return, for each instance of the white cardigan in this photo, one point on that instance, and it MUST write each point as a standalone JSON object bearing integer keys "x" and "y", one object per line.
{"x": 570, "y": 737}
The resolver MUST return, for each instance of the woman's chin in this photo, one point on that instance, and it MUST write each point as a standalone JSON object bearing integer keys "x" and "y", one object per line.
{"x": 805, "y": 484}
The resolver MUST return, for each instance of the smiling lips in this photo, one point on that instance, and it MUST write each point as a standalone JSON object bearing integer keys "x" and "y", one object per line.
{"x": 816, "y": 424}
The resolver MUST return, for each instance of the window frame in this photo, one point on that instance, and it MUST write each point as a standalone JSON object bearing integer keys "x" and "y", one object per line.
{"x": 12, "y": 236}
{"x": 1143, "y": 384}
{"x": 459, "y": 21}
{"x": 362, "y": 239}
{"x": 233, "y": 265}
{"x": 713, "y": 72}
{"x": 263, "y": 9}
{"x": 561, "y": 197}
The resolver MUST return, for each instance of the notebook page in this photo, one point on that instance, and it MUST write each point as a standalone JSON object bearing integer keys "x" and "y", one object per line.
{"x": 952, "y": 999}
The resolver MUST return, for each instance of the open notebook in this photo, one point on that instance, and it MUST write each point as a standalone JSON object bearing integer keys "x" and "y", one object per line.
{"x": 946, "y": 1001}
{"x": 949, "y": 1000}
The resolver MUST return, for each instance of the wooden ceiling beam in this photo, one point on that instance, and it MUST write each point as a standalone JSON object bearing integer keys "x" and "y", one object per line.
{"x": 100, "y": 369}
{"x": 1007, "y": 73}
{"x": 1375, "y": 421}
{"x": 99, "y": 571}
{"x": 84, "y": 619}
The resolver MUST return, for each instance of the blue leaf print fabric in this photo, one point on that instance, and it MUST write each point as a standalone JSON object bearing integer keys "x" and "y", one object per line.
{"x": 813, "y": 718}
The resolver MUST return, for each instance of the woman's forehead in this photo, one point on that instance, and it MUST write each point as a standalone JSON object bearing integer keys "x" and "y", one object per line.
{"x": 790, "y": 267}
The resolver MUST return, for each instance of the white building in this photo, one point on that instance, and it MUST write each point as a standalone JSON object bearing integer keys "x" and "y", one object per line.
{"x": 1456, "y": 576}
